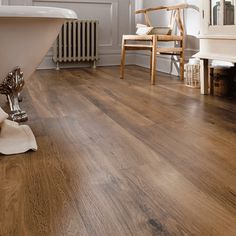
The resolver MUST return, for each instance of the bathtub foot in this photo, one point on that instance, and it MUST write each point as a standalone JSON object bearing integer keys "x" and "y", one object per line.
{"x": 11, "y": 86}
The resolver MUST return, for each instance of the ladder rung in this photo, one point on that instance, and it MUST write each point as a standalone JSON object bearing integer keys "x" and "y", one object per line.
{"x": 166, "y": 50}
{"x": 137, "y": 46}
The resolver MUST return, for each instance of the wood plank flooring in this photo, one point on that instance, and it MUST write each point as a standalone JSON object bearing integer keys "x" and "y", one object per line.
{"x": 121, "y": 158}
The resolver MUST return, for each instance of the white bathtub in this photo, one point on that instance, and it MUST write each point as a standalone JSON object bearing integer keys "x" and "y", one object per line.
{"x": 26, "y": 34}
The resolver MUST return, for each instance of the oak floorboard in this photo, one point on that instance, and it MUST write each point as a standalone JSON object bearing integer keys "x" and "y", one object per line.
{"x": 121, "y": 158}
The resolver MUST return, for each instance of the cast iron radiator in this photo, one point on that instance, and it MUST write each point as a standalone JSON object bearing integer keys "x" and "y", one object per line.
{"x": 76, "y": 42}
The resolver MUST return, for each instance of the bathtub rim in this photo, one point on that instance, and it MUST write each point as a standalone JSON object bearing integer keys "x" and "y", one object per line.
{"x": 36, "y": 12}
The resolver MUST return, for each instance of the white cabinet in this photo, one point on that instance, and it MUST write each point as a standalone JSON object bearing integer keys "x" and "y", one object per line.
{"x": 218, "y": 17}
{"x": 217, "y": 35}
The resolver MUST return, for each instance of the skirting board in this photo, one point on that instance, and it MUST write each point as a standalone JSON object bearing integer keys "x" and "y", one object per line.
{"x": 108, "y": 59}
{"x": 166, "y": 64}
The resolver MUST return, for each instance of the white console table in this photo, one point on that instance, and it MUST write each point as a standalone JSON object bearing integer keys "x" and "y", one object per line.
{"x": 218, "y": 35}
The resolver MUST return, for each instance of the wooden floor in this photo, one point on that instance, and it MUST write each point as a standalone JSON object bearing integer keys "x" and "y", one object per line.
{"x": 121, "y": 158}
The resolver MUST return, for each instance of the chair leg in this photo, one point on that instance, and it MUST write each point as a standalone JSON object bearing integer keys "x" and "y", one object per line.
{"x": 154, "y": 56}
{"x": 181, "y": 66}
{"x": 151, "y": 63}
{"x": 122, "y": 65}
{"x": 181, "y": 63}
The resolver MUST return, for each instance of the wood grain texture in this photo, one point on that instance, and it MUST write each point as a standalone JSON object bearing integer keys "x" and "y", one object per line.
{"x": 121, "y": 157}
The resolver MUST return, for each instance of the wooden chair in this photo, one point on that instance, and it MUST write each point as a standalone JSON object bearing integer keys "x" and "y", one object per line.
{"x": 136, "y": 42}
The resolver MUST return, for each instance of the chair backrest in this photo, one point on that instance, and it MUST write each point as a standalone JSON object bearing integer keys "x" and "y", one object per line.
{"x": 175, "y": 17}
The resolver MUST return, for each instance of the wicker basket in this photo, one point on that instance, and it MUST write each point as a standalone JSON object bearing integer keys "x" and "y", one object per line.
{"x": 192, "y": 75}
{"x": 221, "y": 81}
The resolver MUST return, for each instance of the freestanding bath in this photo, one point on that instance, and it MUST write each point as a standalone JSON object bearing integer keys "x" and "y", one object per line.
{"x": 26, "y": 34}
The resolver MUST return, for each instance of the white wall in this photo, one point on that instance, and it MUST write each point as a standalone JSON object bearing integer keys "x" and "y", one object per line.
{"x": 115, "y": 18}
